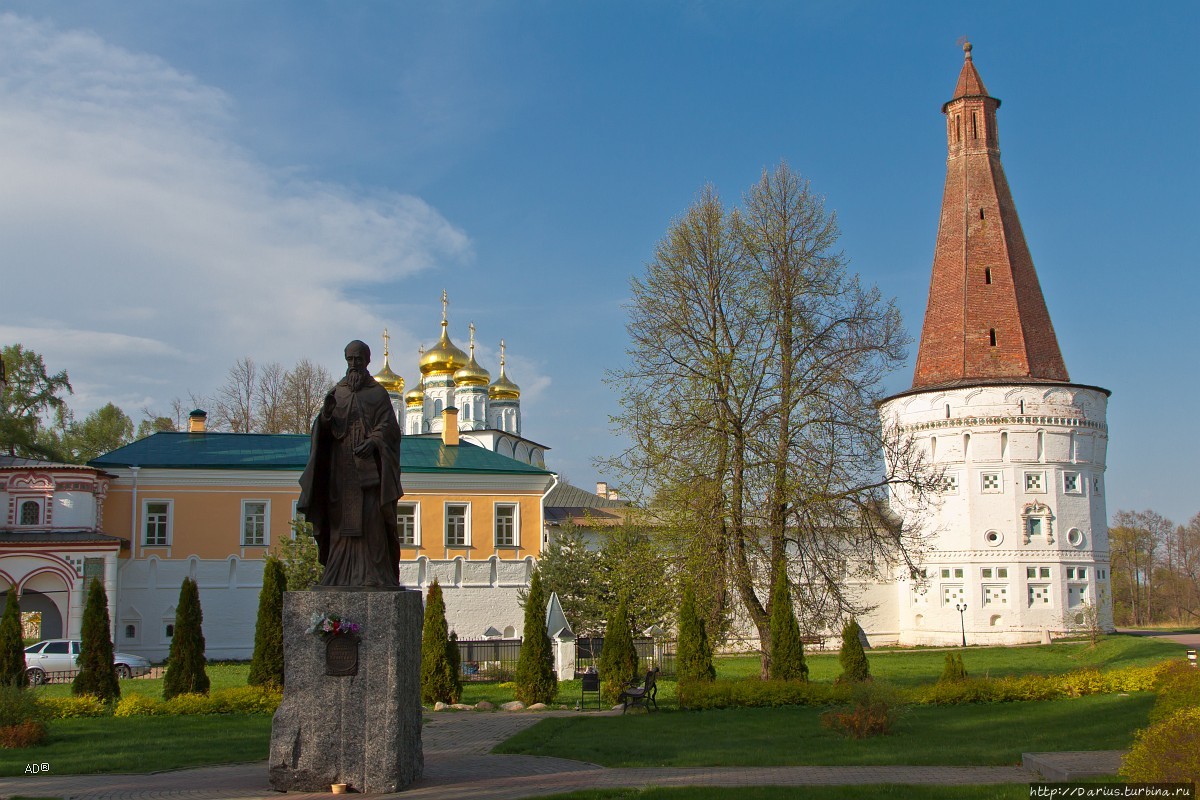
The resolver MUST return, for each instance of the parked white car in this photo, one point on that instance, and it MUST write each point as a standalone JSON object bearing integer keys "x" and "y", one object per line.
{"x": 62, "y": 655}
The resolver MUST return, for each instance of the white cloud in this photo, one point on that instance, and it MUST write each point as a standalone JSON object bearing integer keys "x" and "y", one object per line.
{"x": 134, "y": 227}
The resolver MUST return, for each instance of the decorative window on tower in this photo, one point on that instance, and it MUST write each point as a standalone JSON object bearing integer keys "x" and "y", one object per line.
{"x": 995, "y": 595}
{"x": 1035, "y": 482}
{"x": 1072, "y": 484}
{"x": 1039, "y": 594}
{"x": 1096, "y": 485}
{"x": 1036, "y": 520}
{"x": 1076, "y": 595}
{"x": 952, "y": 595}
{"x": 991, "y": 483}
{"x": 950, "y": 483}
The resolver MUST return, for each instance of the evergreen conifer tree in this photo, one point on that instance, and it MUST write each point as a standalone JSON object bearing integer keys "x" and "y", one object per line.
{"x": 97, "y": 675}
{"x": 618, "y": 659}
{"x": 12, "y": 649}
{"x": 855, "y": 668}
{"x": 787, "y": 651}
{"x": 440, "y": 681}
{"x": 266, "y": 666}
{"x": 953, "y": 669}
{"x": 535, "y": 669}
{"x": 185, "y": 663}
{"x": 693, "y": 654}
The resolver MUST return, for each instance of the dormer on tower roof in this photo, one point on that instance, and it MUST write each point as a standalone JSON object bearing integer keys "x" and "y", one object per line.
{"x": 986, "y": 319}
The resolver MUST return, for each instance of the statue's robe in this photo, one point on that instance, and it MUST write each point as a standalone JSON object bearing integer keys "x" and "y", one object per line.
{"x": 351, "y": 500}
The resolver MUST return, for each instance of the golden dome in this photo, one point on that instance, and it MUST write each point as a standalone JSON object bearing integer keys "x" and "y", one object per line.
{"x": 416, "y": 397}
{"x": 472, "y": 374}
{"x": 503, "y": 388}
{"x": 443, "y": 358}
{"x": 387, "y": 379}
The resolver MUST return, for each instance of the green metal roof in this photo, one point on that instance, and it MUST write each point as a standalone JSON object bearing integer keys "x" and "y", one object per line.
{"x": 289, "y": 451}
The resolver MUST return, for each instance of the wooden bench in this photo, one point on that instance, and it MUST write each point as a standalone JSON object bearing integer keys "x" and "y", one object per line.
{"x": 819, "y": 641}
{"x": 643, "y": 695}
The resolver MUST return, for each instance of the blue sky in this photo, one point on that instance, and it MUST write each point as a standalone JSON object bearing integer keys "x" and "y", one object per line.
{"x": 183, "y": 184}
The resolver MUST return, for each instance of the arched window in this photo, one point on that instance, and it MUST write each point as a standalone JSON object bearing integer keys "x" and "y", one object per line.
{"x": 31, "y": 513}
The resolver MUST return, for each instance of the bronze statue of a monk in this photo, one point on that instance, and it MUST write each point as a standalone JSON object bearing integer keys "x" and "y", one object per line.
{"x": 351, "y": 483}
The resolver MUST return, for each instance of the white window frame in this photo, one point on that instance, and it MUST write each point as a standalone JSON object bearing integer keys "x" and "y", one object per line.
{"x": 516, "y": 524}
{"x": 416, "y": 525}
{"x": 1078, "y": 490}
{"x": 41, "y": 512}
{"x": 985, "y": 489}
{"x": 266, "y": 522}
{"x": 1035, "y": 475}
{"x": 949, "y": 484}
{"x": 170, "y": 521}
{"x": 466, "y": 524}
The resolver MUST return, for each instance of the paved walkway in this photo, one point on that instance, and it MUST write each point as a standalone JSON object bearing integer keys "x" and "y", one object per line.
{"x": 458, "y": 764}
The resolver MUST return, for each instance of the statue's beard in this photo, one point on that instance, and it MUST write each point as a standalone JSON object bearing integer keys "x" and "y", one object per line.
{"x": 355, "y": 378}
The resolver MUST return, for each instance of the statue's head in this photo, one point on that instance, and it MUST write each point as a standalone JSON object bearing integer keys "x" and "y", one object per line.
{"x": 358, "y": 355}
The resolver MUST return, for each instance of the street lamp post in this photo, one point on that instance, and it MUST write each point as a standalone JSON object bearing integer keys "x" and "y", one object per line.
{"x": 961, "y": 608}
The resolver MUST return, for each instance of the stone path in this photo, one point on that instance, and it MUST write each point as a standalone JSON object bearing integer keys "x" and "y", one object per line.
{"x": 459, "y": 765}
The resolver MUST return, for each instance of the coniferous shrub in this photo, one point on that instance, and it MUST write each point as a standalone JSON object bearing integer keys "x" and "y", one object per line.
{"x": 953, "y": 669}
{"x": 535, "y": 677}
{"x": 266, "y": 666}
{"x": 693, "y": 654}
{"x": 186, "y": 664}
{"x": 97, "y": 676}
{"x": 853, "y": 659}
{"x": 440, "y": 681}
{"x": 787, "y": 651}
{"x": 12, "y": 650}
{"x": 618, "y": 659}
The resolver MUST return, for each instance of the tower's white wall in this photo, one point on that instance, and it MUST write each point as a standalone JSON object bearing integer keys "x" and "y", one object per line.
{"x": 1024, "y": 467}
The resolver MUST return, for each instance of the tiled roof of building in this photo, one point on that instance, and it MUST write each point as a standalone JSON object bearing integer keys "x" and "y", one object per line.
{"x": 289, "y": 451}
{"x": 54, "y": 536}
{"x": 34, "y": 463}
{"x": 564, "y": 495}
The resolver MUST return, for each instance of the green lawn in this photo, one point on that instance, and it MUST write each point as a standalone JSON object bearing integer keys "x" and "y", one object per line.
{"x": 951, "y": 735}
{"x": 911, "y": 667}
{"x": 144, "y": 744}
{"x": 888, "y": 791}
{"x": 222, "y": 676}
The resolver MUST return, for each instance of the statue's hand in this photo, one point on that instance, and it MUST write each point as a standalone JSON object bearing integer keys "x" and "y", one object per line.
{"x": 330, "y": 402}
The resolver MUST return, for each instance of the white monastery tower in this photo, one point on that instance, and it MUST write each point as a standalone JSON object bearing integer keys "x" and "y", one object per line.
{"x": 1018, "y": 540}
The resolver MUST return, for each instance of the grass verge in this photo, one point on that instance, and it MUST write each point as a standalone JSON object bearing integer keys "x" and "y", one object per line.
{"x": 887, "y": 791}
{"x": 144, "y": 744}
{"x": 983, "y": 734}
{"x": 915, "y": 667}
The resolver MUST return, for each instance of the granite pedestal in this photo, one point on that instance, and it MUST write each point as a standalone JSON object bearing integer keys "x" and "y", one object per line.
{"x": 364, "y": 729}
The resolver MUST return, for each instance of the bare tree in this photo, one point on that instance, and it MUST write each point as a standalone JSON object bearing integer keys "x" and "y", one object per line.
{"x": 269, "y": 416}
{"x": 304, "y": 388}
{"x": 750, "y": 402}
{"x": 235, "y": 401}
{"x": 1137, "y": 541}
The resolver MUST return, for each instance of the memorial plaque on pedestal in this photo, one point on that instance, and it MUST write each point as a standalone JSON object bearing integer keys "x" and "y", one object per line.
{"x": 341, "y": 655}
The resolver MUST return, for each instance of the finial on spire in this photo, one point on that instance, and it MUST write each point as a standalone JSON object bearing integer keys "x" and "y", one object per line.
{"x": 386, "y": 339}
{"x": 966, "y": 46}
{"x": 445, "y": 302}
{"x": 472, "y": 328}
{"x": 501, "y": 355}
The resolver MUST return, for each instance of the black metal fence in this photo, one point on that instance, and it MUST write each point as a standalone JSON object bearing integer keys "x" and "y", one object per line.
{"x": 489, "y": 659}
{"x": 651, "y": 653}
